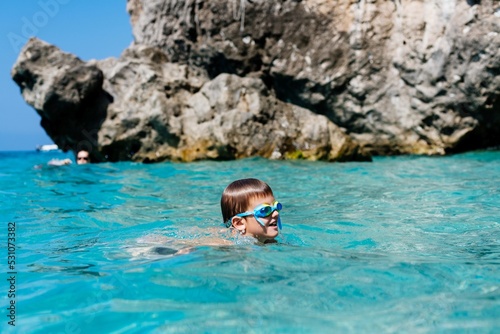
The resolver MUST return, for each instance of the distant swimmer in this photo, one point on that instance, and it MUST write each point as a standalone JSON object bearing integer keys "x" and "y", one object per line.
{"x": 83, "y": 157}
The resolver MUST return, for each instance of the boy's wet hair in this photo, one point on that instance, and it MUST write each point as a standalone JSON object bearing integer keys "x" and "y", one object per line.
{"x": 238, "y": 194}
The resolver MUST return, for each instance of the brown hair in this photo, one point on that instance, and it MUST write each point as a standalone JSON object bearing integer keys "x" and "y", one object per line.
{"x": 238, "y": 194}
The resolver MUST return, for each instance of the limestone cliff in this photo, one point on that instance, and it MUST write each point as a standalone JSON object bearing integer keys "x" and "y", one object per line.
{"x": 315, "y": 79}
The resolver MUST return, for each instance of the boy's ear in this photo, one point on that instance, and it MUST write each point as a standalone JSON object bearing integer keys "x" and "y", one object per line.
{"x": 238, "y": 223}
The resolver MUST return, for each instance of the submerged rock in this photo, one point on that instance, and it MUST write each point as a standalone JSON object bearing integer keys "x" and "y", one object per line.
{"x": 313, "y": 79}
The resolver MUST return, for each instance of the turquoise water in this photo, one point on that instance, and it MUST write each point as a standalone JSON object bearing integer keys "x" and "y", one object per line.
{"x": 399, "y": 245}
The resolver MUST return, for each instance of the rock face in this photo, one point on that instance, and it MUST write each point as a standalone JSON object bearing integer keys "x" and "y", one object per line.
{"x": 314, "y": 79}
{"x": 65, "y": 91}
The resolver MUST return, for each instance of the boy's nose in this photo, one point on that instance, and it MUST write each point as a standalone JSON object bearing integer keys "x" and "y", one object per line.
{"x": 275, "y": 213}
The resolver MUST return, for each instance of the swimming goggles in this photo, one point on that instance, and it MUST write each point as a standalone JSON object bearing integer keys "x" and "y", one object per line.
{"x": 262, "y": 211}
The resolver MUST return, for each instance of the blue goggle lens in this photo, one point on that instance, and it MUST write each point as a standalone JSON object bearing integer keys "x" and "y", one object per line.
{"x": 267, "y": 210}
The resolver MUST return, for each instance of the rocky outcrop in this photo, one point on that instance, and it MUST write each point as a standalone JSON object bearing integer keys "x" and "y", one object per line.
{"x": 65, "y": 91}
{"x": 315, "y": 79}
{"x": 147, "y": 109}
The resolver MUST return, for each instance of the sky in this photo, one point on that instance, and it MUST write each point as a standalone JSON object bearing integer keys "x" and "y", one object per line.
{"x": 89, "y": 29}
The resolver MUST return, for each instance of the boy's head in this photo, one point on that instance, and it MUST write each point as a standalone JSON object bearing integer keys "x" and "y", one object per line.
{"x": 243, "y": 196}
{"x": 238, "y": 194}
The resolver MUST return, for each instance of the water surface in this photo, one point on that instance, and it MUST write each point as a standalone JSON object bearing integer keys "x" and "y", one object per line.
{"x": 402, "y": 244}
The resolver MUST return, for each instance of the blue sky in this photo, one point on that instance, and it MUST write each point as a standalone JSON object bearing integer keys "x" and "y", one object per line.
{"x": 90, "y": 29}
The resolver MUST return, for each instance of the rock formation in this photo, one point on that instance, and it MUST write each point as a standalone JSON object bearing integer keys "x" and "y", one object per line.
{"x": 314, "y": 79}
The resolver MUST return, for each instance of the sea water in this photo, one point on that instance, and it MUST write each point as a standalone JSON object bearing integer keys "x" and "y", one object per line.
{"x": 399, "y": 245}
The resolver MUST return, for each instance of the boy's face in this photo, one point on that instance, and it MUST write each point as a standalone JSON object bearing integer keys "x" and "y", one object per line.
{"x": 270, "y": 229}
